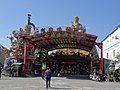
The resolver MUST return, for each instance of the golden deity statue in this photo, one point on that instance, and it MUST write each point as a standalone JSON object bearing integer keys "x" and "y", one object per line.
{"x": 77, "y": 26}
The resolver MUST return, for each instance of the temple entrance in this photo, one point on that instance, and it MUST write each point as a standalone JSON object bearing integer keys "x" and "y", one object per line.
{"x": 74, "y": 68}
{"x": 70, "y": 67}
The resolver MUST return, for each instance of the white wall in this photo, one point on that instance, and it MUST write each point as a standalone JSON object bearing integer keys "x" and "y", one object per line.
{"x": 111, "y": 45}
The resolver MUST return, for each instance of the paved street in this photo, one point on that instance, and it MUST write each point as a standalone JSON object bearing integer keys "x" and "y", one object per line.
{"x": 37, "y": 83}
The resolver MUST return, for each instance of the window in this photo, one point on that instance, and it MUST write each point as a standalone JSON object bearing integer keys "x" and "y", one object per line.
{"x": 107, "y": 55}
{"x": 113, "y": 52}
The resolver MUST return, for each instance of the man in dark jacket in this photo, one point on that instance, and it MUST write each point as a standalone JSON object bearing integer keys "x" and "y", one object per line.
{"x": 47, "y": 76}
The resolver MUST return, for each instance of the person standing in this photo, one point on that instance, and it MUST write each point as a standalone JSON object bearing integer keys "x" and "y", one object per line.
{"x": 47, "y": 76}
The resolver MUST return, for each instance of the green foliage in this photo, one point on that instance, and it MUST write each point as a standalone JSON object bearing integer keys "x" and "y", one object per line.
{"x": 118, "y": 57}
{"x": 114, "y": 75}
{"x": 6, "y": 52}
{"x": 117, "y": 72}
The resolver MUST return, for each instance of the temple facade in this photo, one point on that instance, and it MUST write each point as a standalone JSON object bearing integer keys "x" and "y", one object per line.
{"x": 68, "y": 51}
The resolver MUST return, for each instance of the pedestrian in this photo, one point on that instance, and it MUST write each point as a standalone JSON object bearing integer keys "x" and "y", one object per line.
{"x": 47, "y": 76}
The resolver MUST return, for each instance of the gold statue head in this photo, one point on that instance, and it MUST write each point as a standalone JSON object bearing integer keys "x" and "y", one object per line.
{"x": 77, "y": 26}
{"x": 76, "y": 19}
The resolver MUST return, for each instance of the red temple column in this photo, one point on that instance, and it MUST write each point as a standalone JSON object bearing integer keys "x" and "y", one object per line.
{"x": 25, "y": 59}
{"x": 91, "y": 65}
{"x": 101, "y": 59}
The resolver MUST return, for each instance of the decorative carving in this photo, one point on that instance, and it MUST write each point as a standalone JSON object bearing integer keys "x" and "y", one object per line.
{"x": 11, "y": 38}
{"x": 77, "y": 26}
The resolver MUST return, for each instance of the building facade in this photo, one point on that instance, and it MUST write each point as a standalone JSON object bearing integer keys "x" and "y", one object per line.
{"x": 4, "y": 53}
{"x": 111, "y": 45}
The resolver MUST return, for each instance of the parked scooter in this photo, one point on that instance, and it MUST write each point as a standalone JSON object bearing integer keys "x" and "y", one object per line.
{"x": 101, "y": 77}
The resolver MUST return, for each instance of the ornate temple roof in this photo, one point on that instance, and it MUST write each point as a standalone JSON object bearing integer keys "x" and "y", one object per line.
{"x": 47, "y": 39}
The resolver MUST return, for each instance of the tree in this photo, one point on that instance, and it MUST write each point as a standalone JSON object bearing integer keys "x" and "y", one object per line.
{"x": 118, "y": 57}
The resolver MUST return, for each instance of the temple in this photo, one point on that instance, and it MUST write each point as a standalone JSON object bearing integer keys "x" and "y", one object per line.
{"x": 67, "y": 51}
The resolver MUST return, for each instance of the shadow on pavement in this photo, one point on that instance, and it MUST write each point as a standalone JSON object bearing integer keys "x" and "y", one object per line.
{"x": 82, "y": 77}
{"x": 61, "y": 88}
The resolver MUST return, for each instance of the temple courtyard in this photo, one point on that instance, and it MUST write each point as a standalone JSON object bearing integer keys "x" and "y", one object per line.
{"x": 57, "y": 83}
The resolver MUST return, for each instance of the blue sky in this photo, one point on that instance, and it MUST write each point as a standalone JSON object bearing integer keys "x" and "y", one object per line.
{"x": 100, "y": 17}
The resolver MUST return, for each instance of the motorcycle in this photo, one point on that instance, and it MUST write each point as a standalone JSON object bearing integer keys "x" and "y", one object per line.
{"x": 101, "y": 78}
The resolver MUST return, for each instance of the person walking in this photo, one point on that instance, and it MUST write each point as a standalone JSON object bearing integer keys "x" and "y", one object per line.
{"x": 47, "y": 76}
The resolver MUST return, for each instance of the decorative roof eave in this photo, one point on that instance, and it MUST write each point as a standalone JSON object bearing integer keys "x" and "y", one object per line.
{"x": 85, "y": 42}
